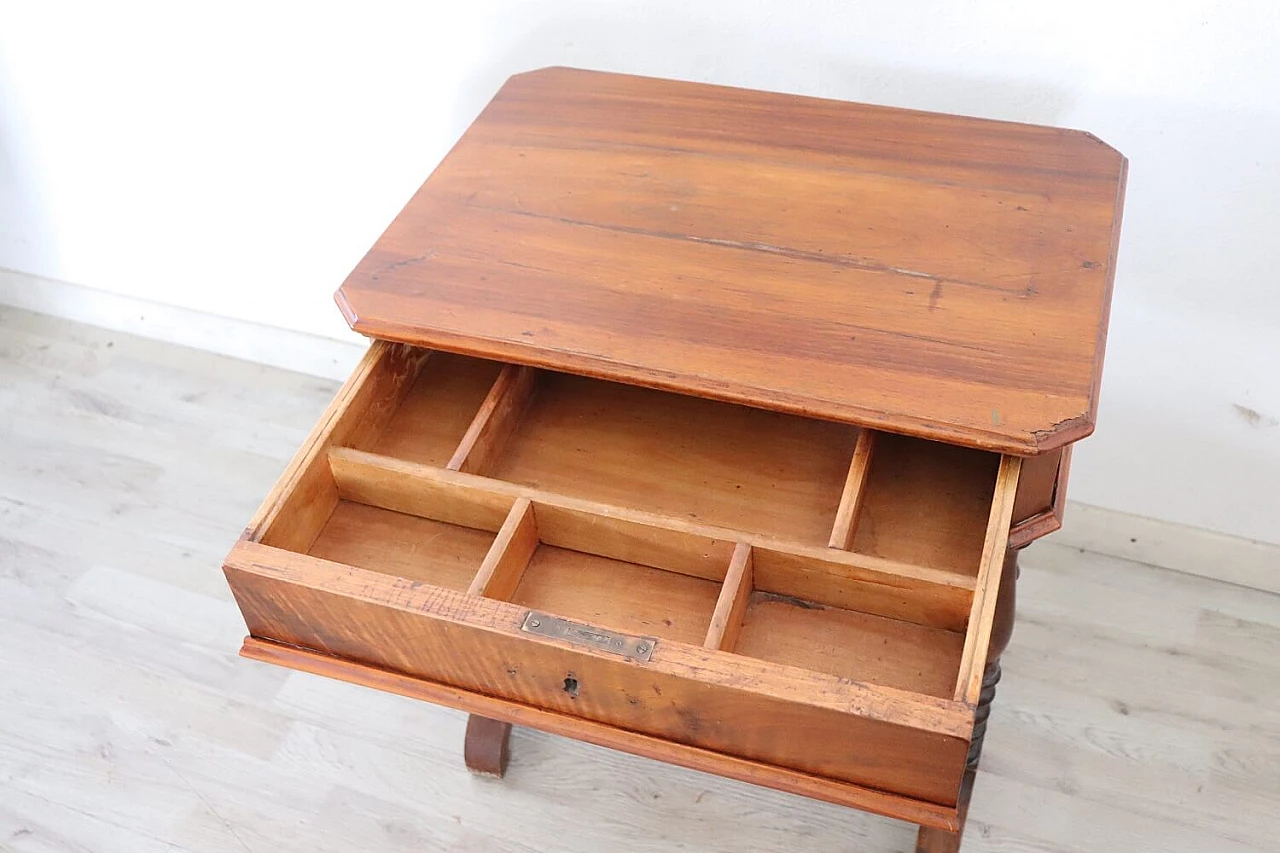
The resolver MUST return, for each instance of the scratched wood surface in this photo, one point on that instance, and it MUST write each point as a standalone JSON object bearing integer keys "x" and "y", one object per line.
{"x": 128, "y": 723}
{"x": 936, "y": 275}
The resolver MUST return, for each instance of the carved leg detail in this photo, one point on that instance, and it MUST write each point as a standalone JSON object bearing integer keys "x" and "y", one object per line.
{"x": 990, "y": 678}
{"x": 485, "y": 749}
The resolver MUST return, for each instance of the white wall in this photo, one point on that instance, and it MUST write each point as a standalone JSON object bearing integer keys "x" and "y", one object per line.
{"x": 240, "y": 157}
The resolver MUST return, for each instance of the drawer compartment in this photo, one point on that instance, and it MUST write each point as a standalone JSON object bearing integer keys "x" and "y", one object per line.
{"x": 813, "y": 598}
{"x": 850, "y": 644}
{"x": 936, "y": 494}
{"x": 402, "y": 545}
{"x": 703, "y": 461}
{"x": 627, "y": 597}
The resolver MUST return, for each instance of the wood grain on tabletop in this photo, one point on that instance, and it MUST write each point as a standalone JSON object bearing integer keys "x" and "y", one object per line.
{"x": 936, "y": 275}
{"x": 126, "y": 467}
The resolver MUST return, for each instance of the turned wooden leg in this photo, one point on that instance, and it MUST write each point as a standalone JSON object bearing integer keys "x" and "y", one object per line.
{"x": 485, "y": 748}
{"x": 939, "y": 840}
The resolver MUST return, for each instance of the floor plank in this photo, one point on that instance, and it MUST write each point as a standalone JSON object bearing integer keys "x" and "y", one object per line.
{"x": 1140, "y": 708}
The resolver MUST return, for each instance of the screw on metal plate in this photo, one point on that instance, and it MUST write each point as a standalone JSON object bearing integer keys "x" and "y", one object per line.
{"x": 635, "y": 648}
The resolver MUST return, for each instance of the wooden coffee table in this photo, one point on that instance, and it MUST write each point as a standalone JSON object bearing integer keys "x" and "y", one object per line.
{"x": 704, "y": 424}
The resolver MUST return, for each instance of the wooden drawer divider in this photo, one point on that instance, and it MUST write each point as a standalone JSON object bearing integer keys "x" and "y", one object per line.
{"x": 851, "y": 498}
{"x": 498, "y": 417}
{"x": 731, "y": 607}
{"x": 883, "y": 587}
{"x": 505, "y": 563}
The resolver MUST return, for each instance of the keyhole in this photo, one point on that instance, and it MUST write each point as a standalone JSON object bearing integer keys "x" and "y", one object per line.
{"x": 571, "y": 686}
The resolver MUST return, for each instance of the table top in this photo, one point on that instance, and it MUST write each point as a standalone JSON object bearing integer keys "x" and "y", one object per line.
{"x": 926, "y": 274}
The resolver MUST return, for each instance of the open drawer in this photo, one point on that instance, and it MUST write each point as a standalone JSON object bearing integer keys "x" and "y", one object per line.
{"x": 793, "y": 602}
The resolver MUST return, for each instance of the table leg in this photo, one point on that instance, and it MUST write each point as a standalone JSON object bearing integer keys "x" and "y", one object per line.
{"x": 485, "y": 749}
{"x": 938, "y": 840}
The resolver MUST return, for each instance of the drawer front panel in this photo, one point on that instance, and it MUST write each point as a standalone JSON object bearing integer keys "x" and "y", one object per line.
{"x": 661, "y": 749}
{"x": 689, "y": 695}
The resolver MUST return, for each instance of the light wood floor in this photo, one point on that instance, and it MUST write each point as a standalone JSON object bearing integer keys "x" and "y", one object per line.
{"x": 1140, "y": 709}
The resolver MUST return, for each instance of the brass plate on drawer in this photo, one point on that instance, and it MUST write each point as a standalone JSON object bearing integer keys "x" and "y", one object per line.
{"x": 636, "y": 648}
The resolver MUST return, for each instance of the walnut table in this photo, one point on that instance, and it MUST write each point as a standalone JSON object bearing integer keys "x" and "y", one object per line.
{"x": 704, "y": 424}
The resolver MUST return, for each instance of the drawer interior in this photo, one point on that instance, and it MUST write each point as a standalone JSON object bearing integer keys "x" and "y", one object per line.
{"x": 850, "y": 644}
{"x": 403, "y": 545}
{"x": 798, "y": 542}
{"x": 625, "y": 596}
{"x": 437, "y": 408}
{"x": 701, "y": 460}
{"x": 926, "y": 503}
